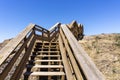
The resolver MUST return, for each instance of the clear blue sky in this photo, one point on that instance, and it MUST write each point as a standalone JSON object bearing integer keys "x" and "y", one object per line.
{"x": 97, "y": 16}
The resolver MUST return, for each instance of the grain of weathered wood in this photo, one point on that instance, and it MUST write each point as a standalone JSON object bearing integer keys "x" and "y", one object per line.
{"x": 23, "y": 61}
{"x": 72, "y": 59}
{"x": 66, "y": 64}
{"x": 48, "y": 56}
{"x": 47, "y": 74}
{"x": 48, "y": 66}
{"x": 90, "y": 70}
{"x": 48, "y": 61}
{"x": 48, "y": 52}
{"x": 13, "y": 60}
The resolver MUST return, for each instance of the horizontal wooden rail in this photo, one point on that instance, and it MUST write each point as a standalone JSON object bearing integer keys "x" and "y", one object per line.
{"x": 47, "y": 35}
{"x": 90, "y": 71}
{"x": 41, "y": 28}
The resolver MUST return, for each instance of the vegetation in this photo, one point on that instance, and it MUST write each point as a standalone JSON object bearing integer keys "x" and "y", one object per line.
{"x": 105, "y": 52}
{"x": 117, "y": 40}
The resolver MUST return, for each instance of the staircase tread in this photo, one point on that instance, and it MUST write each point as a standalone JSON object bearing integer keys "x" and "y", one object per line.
{"x": 48, "y": 51}
{"x": 47, "y": 55}
{"x": 46, "y": 48}
{"x": 48, "y": 66}
{"x": 48, "y": 60}
{"x": 45, "y": 73}
{"x": 45, "y": 66}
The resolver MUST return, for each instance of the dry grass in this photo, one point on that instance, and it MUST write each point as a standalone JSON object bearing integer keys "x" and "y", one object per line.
{"x": 104, "y": 50}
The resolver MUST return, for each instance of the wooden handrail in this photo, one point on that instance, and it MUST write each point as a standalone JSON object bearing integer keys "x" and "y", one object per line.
{"x": 7, "y": 50}
{"x": 41, "y": 28}
{"x": 54, "y": 26}
{"x": 91, "y": 72}
{"x": 47, "y": 35}
{"x": 70, "y": 55}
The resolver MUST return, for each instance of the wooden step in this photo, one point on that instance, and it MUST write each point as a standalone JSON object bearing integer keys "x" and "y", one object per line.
{"x": 45, "y": 73}
{"x": 47, "y": 43}
{"x": 48, "y": 66}
{"x": 48, "y": 51}
{"x": 45, "y": 61}
{"x": 45, "y": 66}
{"x": 48, "y": 56}
{"x": 54, "y": 46}
{"x": 45, "y": 53}
{"x": 36, "y": 61}
{"x": 37, "y": 56}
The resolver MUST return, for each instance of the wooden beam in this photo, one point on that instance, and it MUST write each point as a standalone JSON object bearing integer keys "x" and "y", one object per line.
{"x": 72, "y": 59}
{"x": 46, "y": 73}
{"x": 23, "y": 61}
{"x": 90, "y": 70}
{"x": 39, "y": 27}
{"x": 53, "y": 27}
{"x": 65, "y": 61}
{"x": 47, "y": 66}
{"x": 14, "y": 58}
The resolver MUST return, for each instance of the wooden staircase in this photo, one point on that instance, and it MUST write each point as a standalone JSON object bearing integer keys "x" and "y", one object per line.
{"x": 40, "y": 54}
{"x": 45, "y": 63}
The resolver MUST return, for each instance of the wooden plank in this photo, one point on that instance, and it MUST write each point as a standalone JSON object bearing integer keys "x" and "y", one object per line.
{"x": 65, "y": 61}
{"x": 38, "y": 42}
{"x": 22, "y": 64}
{"x": 7, "y": 50}
{"x": 46, "y": 73}
{"x": 39, "y": 27}
{"x": 90, "y": 70}
{"x": 47, "y": 56}
{"x": 48, "y": 52}
{"x": 13, "y": 60}
{"x": 47, "y": 61}
{"x": 40, "y": 30}
{"x": 53, "y": 35}
{"x": 53, "y": 27}
{"x": 72, "y": 59}
{"x": 47, "y": 48}
{"x": 39, "y": 37}
{"x": 48, "y": 66}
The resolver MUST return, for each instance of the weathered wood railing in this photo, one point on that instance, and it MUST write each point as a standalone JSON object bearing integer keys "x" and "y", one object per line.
{"x": 54, "y": 31}
{"x": 41, "y": 33}
{"x": 12, "y": 55}
{"x": 15, "y": 53}
{"x": 47, "y": 35}
{"x": 74, "y": 51}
